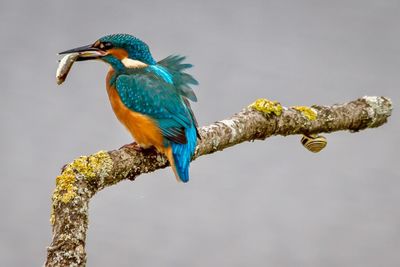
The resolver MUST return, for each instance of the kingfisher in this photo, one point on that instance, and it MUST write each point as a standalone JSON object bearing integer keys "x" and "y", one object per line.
{"x": 151, "y": 99}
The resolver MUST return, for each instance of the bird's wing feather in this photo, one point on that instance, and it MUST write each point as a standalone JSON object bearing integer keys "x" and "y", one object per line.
{"x": 147, "y": 94}
{"x": 181, "y": 80}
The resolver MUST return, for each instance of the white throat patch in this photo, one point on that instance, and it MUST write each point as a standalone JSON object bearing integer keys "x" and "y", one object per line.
{"x": 133, "y": 64}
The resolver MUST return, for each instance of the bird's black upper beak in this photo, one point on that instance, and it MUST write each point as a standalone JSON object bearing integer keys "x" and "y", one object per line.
{"x": 86, "y": 52}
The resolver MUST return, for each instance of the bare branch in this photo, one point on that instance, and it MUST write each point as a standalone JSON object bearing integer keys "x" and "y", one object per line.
{"x": 87, "y": 175}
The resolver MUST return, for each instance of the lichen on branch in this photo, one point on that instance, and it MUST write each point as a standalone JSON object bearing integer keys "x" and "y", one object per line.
{"x": 308, "y": 112}
{"x": 267, "y": 106}
{"x": 85, "y": 167}
{"x": 87, "y": 175}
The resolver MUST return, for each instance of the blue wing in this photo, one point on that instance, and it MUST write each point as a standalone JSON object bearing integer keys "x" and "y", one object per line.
{"x": 146, "y": 93}
{"x": 182, "y": 81}
{"x": 162, "y": 93}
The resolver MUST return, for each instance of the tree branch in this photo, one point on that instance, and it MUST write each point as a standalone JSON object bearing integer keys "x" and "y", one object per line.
{"x": 87, "y": 175}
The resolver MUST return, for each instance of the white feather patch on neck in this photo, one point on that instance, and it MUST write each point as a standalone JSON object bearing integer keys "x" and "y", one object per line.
{"x": 133, "y": 64}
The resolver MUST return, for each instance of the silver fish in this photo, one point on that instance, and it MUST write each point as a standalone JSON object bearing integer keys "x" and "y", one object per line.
{"x": 64, "y": 67}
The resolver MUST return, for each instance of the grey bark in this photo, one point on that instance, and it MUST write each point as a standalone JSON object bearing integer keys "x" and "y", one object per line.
{"x": 87, "y": 175}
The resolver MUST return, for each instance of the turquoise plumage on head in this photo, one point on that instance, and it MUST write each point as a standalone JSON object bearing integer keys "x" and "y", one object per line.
{"x": 136, "y": 49}
{"x": 150, "y": 98}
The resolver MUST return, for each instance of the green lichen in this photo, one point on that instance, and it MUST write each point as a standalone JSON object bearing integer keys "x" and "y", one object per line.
{"x": 308, "y": 112}
{"x": 94, "y": 165}
{"x": 267, "y": 106}
{"x": 97, "y": 165}
{"x": 65, "y": 185}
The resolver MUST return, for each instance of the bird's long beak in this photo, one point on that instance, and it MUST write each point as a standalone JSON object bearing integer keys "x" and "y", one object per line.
{"x": 86, "y": 52}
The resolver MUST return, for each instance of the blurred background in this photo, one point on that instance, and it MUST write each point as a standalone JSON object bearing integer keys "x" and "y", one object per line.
{"x": 268, "y": 203}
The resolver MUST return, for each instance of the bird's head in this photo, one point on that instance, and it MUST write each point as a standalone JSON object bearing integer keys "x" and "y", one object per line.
{"x": 119, "y": 50}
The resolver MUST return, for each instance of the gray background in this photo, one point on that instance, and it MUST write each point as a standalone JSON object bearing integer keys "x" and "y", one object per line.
{"x": 266, "y": 203}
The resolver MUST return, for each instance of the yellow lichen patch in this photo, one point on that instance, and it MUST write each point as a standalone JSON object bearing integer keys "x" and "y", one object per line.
{"x": 267, "y": 106}
{"x": 308, "y": 112}
{"x": 88, "y": 167}
{"x": 100, "y": 163}
{"x": 65, "y": 188}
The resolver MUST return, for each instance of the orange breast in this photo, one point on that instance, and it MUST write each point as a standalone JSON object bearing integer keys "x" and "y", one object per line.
{"x": 143, "y": 129}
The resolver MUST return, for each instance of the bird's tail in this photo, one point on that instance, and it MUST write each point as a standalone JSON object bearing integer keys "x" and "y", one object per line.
{"x": 180, "y": 155}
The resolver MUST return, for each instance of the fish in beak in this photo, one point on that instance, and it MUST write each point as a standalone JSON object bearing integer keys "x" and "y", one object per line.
{"x": 86, "y": 52}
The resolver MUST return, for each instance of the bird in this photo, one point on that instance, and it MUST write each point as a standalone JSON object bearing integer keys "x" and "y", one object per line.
{"x": 150, "y": 98}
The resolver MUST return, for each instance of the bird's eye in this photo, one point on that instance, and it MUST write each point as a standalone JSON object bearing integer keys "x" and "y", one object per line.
{"x": 103, "y": 45}
{"x": 106, "y": 45}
